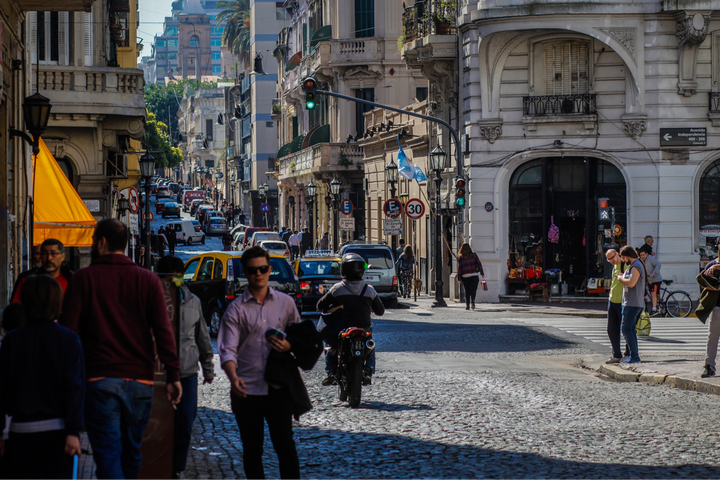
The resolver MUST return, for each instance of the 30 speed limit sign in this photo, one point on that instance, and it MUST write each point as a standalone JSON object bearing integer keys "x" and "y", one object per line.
{"x": 415, "y": 208}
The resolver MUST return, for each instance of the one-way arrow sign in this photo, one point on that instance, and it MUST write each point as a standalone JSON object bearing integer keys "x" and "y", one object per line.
{"x": 683, "y": 137}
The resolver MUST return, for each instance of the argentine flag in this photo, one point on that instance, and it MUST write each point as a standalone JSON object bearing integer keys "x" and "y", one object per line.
{"x": 407, "y": 169}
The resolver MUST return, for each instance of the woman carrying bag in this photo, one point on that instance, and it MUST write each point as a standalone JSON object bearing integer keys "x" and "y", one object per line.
{"x": 468, "y": 268}
{"x": 405, "y": 265}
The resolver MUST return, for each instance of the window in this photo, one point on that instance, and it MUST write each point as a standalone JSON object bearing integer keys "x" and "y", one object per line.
{"x": 217, "y": 70}
{"x": 216, "y": 56}
{"x": 216, "y": 43}
{"x": 190, "y": 270}
{"x": 218, "y": 270}
{"x": 191, "y": 60}
{"x": 206, "y": 269}
{"x": 376, "y": 258}
{"x": 280, "y": 12}
{"x": 160, "y": 71}
{"x": 361, "y": 108}
{"x": 172, "y": 56}
{"x": 194, "y": 41}
{"x": 212, "y": 17}
{"x": 421, "y": 94}
{"x": 161, "y": 43}
{"x": 364, "y": 18}
{"x": 161, "y": 56}
{"x": 216, "y": 30}
{"x": 209, "y": 129}
{"x": 172, "y": 43}
{"x": 49, "y": 41}
{"x": 566, "y": 66}
{"x": 171, "y": 32}
{"x": 88, "y": 38}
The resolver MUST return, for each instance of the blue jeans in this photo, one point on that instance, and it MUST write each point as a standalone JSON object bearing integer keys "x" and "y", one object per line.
{"x": 630, "y": 317}
{"x": 116, "y": 413}
{"x": 184, "y": 419}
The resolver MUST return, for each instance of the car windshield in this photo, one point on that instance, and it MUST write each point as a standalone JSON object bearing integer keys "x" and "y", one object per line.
{"x": 163, "y": 200}
{"x": 319, "y": 267}
{"x": 217, "y": 221}
{"x": 274, "y": 245}
{"x": 281, "y": 271}
{"x": 376, "y": 258}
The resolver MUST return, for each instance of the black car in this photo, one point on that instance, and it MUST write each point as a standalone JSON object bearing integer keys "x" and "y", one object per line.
{"x": 217, "y": 279}
{"x": 316, "y": 276}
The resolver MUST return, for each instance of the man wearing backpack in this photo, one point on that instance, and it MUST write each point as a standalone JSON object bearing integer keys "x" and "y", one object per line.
{"x": 357, "y": 300}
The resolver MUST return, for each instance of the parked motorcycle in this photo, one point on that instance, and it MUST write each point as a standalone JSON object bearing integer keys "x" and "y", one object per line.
{"x": 355, "y": 346}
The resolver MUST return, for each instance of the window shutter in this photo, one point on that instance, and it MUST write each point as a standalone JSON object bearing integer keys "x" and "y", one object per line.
{"x": 32, "y": 21}
{"x": 88, "y": 38}
{"x": 567, "y": 68}
{"x": 63, "y": 44}
{"x": 565, "y": 88}
{"x": 583, "y": 68}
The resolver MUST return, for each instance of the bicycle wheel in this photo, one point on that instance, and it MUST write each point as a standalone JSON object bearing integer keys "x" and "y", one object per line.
{"x": 678, "y": 304}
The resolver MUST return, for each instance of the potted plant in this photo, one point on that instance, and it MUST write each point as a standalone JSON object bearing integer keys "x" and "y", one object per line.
{"x": 443, "y": 17}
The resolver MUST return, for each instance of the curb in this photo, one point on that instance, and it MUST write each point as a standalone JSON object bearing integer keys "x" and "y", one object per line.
{"x": 675, "y": 381}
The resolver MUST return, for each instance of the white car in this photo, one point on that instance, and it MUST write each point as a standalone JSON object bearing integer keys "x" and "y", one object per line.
{"x": 276, "y": 247}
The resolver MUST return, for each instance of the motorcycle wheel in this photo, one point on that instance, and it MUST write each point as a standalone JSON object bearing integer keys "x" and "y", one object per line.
{"x": 355, "y": 380}
{"x": 342, "y": 393}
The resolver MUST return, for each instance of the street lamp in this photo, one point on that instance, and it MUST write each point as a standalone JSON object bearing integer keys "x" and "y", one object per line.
{"x": 123, "y": 205}
{"x": 437, "y": 163}
{"x": 312, "y": 193}
{"x": 335, "y": 191}
{"x": 391, "y": 175}
{"x": 404, "y": 197}
{"x": 147, "y": 168}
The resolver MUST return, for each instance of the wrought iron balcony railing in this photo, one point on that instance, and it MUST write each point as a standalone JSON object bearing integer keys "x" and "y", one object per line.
{"x": 541, "y": 105}
{"x": 714, "y": 102}
{"x": 430, "y": 17}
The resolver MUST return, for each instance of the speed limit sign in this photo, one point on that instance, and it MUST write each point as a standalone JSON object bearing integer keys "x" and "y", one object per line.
{"x": 415, "y": 208}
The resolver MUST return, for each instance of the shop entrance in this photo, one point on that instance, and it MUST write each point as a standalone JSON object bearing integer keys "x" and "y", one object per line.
{"x": 564, "y": 193}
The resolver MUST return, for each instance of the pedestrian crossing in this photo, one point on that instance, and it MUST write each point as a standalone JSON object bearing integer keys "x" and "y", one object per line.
{"x": 667, "y": 336}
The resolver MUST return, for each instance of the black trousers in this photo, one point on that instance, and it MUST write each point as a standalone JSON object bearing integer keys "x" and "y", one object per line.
{"x": 471, "y": 286}
{"x": 251, "y": 413}
{"x": 613, "y": 329}
{"x": 37, "y": 455}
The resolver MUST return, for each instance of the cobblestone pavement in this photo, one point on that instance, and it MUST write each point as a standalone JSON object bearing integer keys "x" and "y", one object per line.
{"x": 477, "y": 396}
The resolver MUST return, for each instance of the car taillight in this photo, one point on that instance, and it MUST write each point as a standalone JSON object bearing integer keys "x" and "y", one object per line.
{"x": 305, "y": 286}
{"x": 287, "y": 254}
{"x": 231, "y": 297}
{"x": 299, "y": 296}
{"x": 395, "y": 282}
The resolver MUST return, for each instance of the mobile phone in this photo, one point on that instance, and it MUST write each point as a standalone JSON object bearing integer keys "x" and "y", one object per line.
{"x": 274, "y": 332}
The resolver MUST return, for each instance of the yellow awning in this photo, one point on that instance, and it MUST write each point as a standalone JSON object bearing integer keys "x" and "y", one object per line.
{"x": 59, "y": 211}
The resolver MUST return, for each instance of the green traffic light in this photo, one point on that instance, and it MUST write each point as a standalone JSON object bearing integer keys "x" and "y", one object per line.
{"x": 310, "y": 105}
{"x": 460, "y": 202}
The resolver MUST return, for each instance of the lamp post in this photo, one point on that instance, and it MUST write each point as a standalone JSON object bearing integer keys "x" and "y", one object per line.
{"x": 391, "y": 175}
{"x": 335, "y": 190}
{"x": 147, "y": 168}
{"x": 437, "y": 161}
{"x": 404, "y": 198}
{"x": 312, "y": 193}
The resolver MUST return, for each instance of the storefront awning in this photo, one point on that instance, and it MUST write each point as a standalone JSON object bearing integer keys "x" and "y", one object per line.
{"x": 59, "y": 211}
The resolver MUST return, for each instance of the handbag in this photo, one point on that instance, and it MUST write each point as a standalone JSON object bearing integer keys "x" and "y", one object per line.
{"x": 642, "y": 327}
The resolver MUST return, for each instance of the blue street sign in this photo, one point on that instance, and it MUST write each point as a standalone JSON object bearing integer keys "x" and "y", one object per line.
{"x": 393, "y": 208}
{"x": 346, "y": 207}
{"x": 265, "y": 208}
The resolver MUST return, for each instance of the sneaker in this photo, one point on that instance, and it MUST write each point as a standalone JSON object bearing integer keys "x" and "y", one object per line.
{"x": 613, "y": 360}
{"x": 329, "y": 380}
{"x": 625, "y": 360}
{"x": 637, "y": 360}
{"x": 708, "y": 372}
{"x": 367, "y": 380}
{"x": 472, "y": 305}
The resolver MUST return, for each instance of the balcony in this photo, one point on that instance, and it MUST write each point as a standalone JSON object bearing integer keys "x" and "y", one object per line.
{"x": 319, "y": 158}
{"x": 429, "y": 33}
{"x": 276, "y": 109}
{"x": 50, "y": 6}
{"x": 93, "y": 90}
{"x": 560, "y": 109}
{"x": 347, "y": 52}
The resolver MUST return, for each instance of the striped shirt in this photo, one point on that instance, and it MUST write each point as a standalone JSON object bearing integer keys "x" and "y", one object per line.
{"x": 469, "y": 266}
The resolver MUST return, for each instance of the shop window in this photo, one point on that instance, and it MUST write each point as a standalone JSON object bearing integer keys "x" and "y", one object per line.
{"x": 709, "y": 220}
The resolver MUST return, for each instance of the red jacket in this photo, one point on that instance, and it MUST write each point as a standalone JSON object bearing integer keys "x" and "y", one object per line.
{"x": 117, "y": 308}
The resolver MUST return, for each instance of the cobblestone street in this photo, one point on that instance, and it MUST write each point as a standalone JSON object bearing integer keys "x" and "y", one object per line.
{"x": 479, "y": 397}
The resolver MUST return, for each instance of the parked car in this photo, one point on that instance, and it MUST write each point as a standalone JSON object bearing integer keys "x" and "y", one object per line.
{"x": 186, "y": 232}
{"x": 216, "y": 226}
{"x": 316, "y": 275}
{"x": 258, "y": 237}
{"x": 237, "y": 244}
{"x": 160, "y": 204}
{"x": 217, "y": 279}
{"x": 276, "y": 247}
{"x": 236, "y": 229}
{"x": 249, "y": 233}
{"x": 163, "y": 192}
{"x": 171, "y": 209}
{"x": 380, "y": 273}
{"x": 209, "y": 215}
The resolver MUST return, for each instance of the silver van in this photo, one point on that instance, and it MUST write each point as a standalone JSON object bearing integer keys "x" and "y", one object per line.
{"x": 380, "y": 271}
{"x": 186, "y": 233}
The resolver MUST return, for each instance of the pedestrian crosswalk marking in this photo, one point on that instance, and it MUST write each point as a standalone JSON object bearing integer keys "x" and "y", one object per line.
{"x": 668, "y": 335}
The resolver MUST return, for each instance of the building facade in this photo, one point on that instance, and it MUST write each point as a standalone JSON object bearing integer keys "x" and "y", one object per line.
{"x": 564, "y": 107}
{"x": 351, "y": 48}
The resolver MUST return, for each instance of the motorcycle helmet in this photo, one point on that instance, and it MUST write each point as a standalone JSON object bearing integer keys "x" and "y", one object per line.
{"x": 353, "y": 266}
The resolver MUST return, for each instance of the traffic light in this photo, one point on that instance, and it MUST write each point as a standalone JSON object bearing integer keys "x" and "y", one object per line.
{"x": 604, "y": 209}
{"x": 310, "y": 85}
{"x": 460, "y": 190}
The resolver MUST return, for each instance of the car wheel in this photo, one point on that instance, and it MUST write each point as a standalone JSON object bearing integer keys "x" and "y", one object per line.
{"x": 214, "y": 323}
{"x": 188, "y": 242}
{"x": 203, "y": 240}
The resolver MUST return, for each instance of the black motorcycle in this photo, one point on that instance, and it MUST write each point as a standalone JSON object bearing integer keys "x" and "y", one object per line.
{"x": 355, "y": 346}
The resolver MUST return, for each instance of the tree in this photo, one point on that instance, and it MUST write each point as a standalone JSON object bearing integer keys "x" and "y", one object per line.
{"x": 163, "y": 100}
{"x": 158, "y": 142}
{"x": 236, "y": 36}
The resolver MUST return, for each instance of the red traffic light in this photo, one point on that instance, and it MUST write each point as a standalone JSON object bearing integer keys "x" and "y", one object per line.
{"x": 309, "y": 84}
{"x": 460, "y": 182}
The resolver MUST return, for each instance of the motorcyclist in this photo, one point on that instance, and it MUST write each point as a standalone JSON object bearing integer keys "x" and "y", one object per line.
{"x": 345, "y": 294}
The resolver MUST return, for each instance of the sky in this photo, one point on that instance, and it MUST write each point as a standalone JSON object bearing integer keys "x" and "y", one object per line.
{"x": 152, "y": 15}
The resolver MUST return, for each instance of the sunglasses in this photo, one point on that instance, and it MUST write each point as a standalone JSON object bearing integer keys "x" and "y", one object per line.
{"x": 254, "y": 270}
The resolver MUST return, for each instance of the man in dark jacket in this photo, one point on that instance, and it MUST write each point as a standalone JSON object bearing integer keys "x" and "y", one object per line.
{"x": 172, "y": 240}
{"x": 52, "y": 256}
{"x": 118, "y": 309}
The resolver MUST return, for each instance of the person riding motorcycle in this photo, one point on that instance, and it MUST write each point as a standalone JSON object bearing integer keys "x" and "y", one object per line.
{"x": 345, "y": 294}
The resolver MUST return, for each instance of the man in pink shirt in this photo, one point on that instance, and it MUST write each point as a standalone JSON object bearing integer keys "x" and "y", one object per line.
{"x": 253, "y": 325}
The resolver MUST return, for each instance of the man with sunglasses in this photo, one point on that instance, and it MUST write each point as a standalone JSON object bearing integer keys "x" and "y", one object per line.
{"x": 52, "y": 256}
{"x": 252, "y": 326}
{"x": 615, "y": 306}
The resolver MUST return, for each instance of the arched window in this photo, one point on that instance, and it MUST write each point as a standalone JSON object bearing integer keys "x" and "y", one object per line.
{"x": 194, "y": 41}
{"x": 709, "y": 217}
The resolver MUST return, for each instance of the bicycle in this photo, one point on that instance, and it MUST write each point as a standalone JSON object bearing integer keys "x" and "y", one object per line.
{"x": 675, "y": 304}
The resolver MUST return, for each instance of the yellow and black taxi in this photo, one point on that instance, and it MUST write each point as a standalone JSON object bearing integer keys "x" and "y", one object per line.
{"x": 317, "y": 271}
{"x": 217, "y": 279}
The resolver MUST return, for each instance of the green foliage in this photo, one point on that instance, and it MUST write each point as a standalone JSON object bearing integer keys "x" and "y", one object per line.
{"x": 163, "y": 100}
{"x": 156, "y": 134}
{"x": 236, "y": 36}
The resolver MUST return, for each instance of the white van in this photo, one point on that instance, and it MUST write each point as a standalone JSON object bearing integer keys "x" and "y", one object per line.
{"x": 186, "y": 232}
{"x": 262, "y": 236}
